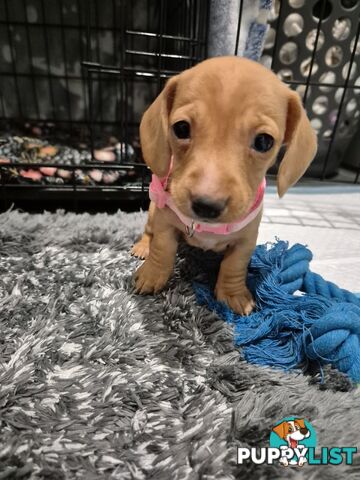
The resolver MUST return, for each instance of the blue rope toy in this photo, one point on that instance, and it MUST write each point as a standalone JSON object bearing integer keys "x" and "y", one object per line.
{"x": 322, "y": 323}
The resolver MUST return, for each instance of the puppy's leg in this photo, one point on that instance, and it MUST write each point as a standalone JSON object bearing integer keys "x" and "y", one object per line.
{"x": 157, "y": 268}
{"x": 142, "y": 247}
{"x": 231, "y": 282}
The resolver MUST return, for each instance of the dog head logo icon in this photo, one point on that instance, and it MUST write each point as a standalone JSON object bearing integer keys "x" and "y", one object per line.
{"x": 293, "y": 436}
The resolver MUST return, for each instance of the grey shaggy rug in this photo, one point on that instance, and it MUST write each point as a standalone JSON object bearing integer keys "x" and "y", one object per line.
{"x": 100, "y": 383}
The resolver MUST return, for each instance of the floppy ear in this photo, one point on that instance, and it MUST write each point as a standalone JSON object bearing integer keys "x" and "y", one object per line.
{"x": 300, "y": 422}
{"x": 280, "y": 430}
{"x": 154, "y": 129}
{"x": 301, "y": 145}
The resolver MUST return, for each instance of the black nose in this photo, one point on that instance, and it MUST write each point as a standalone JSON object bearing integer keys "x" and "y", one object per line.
{"x": 205, "y": 207}
{"x": 304, "y": 430}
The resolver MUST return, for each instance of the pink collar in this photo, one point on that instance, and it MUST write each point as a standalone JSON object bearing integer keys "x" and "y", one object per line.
{"x": 162, "y": 198}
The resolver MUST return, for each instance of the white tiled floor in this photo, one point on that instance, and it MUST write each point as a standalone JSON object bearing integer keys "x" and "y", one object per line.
{"x": 327, "y": 220}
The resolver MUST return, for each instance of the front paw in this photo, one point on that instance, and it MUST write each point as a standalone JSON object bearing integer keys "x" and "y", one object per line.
{"x": 149, "y": 279}
{"x": 240, "y": 302}
{"x": 140, "y": 249}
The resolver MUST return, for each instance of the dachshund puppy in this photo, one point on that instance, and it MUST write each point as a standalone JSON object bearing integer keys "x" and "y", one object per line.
{"x": 209, "y": 139}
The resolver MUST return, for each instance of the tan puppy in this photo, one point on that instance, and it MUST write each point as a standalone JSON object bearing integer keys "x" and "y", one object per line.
{"x": 220, "y": 125}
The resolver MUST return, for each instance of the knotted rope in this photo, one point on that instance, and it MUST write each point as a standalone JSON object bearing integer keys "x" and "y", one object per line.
{"x": 300, "y": 317}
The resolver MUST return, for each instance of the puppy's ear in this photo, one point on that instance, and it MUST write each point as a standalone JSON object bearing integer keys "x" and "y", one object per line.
{"x": 300, "y": 422}
{"x": 154, "y": 130}
{"x": 280, "y": 430}
{"x": 301, "y": 145}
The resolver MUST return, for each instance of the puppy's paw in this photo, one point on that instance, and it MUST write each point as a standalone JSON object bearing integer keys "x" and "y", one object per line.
{"x": 301, "y": 462}
{"x": 284, "y": 462}
{"x": 242, "y": 302}
{"x": 141, "y": 248}
{"x": 149, "y": 279}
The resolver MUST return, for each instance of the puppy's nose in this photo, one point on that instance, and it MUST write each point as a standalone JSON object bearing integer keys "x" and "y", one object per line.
{"x": 206, "y": 207}
{"x": 304, "y": 430}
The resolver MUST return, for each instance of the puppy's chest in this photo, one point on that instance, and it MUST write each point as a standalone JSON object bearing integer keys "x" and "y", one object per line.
{"x": 208, "y": 241}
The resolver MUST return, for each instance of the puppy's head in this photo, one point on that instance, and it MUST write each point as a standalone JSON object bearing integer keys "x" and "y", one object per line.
{"x": 224, "y": 121}
{"x": 294, "y": 430}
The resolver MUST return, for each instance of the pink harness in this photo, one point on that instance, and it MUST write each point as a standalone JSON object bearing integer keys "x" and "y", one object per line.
{"x": 162, "y": 198}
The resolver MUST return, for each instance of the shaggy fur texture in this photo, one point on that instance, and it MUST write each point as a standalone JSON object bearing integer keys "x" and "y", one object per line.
{"x": 100, "y": 383}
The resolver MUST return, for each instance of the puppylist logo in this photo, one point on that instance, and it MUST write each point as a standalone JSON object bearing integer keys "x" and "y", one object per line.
{"x": 292, "y": 443}
{"x": 293, "y": 437}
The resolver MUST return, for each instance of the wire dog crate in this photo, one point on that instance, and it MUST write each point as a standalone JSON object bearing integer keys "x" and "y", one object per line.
{"x": 314, "y": 47}
{"x": 77, "y": 75}
{"x": 92, "y": 67}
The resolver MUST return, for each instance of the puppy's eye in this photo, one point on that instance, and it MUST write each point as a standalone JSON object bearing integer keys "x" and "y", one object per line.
{"x": 182, "y": 129}
{"x": 263, "y": 142}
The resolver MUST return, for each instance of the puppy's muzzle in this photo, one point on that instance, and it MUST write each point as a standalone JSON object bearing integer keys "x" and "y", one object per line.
{"x": 205, "y": 207}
